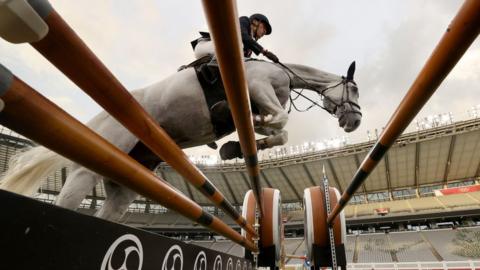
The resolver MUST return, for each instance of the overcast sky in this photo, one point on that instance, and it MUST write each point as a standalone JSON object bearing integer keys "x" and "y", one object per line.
{"x": 143, "y": 42}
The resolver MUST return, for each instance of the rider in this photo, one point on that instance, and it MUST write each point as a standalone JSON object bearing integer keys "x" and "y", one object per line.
{"x": 252, "y": 29}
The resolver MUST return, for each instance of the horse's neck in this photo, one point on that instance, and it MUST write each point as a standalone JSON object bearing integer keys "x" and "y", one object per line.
{"x": 314, "y": 77}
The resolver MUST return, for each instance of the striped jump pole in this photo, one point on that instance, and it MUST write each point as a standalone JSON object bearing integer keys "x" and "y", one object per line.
{"x": 224, "y": 27}
{"x": 32, "y": 115}
{"x": 64, "y": 49}
{"x": 462, "y": 31}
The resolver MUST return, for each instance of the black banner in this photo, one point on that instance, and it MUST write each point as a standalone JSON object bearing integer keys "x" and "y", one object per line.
{"x": 36, "y": 235}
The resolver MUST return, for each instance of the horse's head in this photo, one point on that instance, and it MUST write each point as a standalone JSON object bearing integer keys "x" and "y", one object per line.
{"x": 341, "y": 100}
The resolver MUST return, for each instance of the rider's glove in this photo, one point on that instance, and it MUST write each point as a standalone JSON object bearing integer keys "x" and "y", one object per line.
{"x": 271, "y": 56}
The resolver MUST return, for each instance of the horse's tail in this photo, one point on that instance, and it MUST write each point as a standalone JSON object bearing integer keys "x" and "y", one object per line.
{"x": 28, "y": 169}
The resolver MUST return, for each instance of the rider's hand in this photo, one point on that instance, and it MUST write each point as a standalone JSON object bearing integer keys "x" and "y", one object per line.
{"x": 271, "y": 56}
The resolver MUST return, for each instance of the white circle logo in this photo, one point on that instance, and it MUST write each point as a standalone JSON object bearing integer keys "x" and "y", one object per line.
{"x": 217, "y": 265}
{"x": 230, "y": 264}
{"x": 174, "y": 259}
{"x": 135, "y": 247}
{"x": 200, "y": 261}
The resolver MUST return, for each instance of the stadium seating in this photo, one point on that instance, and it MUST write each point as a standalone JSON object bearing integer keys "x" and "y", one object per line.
{"x": 455, "y": 245}
{"x": 367, "y": 209}
{"x": 236, "y": 250}
{"x": 410, "y": 247}
{"x": 205, "y": 244}
{"x": 426, "y": 203}
{"x": 294, "y": 246}
{"x": 350, "y": 247}
{"x": 138, "y": 219}
{"x": 349, "y": 211}
{"x": 296, "y": 215}
{"x": 416, "y": 205}
{"x": 399, "y": 206}
{"x": 457, "y": 201}
{"x": 403, "y": 247}
{"x": 222, "y": 245}
{"x": 373, "y": 248}
{"x": 475, "y": 196}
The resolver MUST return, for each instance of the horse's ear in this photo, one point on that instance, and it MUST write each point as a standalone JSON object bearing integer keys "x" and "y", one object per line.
{"x": 351, "y": 71}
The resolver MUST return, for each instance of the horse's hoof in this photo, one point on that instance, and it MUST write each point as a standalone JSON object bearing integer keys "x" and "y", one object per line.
{"x": 231, "y": 150}
{"x": 212, "y": 145}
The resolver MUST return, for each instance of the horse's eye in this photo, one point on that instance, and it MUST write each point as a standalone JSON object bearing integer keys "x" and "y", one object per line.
{"x": 354, "y": 88}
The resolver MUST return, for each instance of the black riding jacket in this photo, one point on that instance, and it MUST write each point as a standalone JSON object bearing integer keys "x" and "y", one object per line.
{"x": 249, "y": 44}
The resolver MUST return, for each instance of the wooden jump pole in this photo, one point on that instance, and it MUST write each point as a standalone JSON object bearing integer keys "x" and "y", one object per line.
{"x": 65, "y": 50}
{"x": 224, "y": 28}
{"x": 32, "y": 115}
{"x": 462, "y": 31}
{"x": 290, "y": 256}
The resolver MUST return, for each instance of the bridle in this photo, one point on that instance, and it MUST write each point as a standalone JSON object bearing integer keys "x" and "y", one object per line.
{"x": 345, "y": 94}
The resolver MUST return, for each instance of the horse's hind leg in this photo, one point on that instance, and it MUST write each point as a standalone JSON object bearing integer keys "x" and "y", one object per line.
{"x": 117, "y": 200}
{"x": 77, "y": 185}
{"x": 274, "y": 137}
{"x": 118, "y": 197}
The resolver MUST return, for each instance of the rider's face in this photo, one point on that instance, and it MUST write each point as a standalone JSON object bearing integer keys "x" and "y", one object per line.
{"x": 260, "y": 30}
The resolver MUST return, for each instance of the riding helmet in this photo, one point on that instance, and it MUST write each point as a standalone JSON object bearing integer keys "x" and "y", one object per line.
{"x": 264, "y": 19}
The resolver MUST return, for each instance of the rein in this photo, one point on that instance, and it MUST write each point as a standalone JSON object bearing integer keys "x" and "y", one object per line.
{"x": 344, "y": 81}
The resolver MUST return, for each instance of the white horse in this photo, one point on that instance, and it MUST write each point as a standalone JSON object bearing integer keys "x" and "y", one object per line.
{"x": 178, "y": 104}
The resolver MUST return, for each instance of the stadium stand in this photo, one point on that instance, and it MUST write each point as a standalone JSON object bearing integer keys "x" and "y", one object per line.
{"x": 458, "y": 201}
{"x": 373, "y": 248}
{"x": 410, "y": 247}
{"x": 425, "y": 204}
{"x": 205, "y": 244}
{"x": 475, "y": 196}
{"x": 294, "y": 246}
{"x": 417, "y": 205}
{"x": 400, "y": 206}
{"x": 222, "y": 245}
{"x": 455, "y": 245}
{"x": 293, "y": 216}
{"x": 236, "y": 250}
{"x": 350, "y": 248}
{"x": 402, "y": 247}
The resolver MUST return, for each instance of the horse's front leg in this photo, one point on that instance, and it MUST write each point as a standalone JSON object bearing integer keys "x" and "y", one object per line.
{"x": 232, "y": 149}
{"x": 274, "y": 121}
{"x": 261, "y": 120}
{"x": 272, "y": 114}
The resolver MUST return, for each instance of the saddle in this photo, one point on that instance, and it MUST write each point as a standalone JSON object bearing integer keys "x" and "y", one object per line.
{"x": 208, "y": 74}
